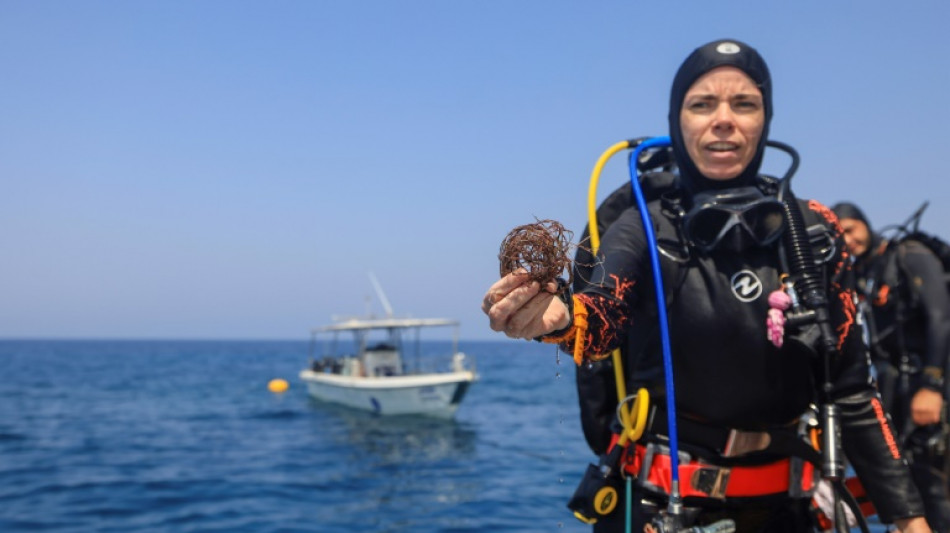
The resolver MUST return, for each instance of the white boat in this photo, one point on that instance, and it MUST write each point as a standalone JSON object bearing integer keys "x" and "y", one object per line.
{"x": 375, "y": 375}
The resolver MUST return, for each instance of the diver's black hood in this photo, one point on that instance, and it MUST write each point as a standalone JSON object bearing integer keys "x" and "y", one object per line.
{"x": 725, "y": 52}
{"x": 849, "y": 210}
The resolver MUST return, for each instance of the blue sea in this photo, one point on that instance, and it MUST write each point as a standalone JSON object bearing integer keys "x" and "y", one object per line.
{"x": 131, "y": 436}
{"x": 161, "y": 436}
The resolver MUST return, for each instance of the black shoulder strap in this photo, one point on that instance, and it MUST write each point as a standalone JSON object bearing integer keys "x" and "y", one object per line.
{"x": 938, "y": 246}
{"x": 596, "y": 383}
{"x": 654, "y": 185}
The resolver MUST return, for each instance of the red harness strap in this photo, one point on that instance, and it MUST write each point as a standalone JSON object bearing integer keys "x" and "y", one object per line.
{"x": 856, "y": 489}
{"x": 711, "y": 481}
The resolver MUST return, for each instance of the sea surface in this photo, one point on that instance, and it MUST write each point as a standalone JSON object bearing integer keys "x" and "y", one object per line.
{"x": 163, "y": 436}
{"x": 131, "y": 436}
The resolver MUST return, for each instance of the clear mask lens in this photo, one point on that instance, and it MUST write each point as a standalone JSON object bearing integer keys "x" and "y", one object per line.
{"x": 760, "y": 217}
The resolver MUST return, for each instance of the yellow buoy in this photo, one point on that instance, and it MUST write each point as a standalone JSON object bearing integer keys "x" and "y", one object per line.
{"x": 278, "y": 385}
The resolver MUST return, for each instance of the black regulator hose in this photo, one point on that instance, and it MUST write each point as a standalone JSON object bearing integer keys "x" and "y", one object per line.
{"x": 801, "y": 265}
{"x": 812, "y": 307}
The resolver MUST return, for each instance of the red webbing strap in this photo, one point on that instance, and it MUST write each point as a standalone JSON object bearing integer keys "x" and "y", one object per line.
{"x": 854, "y": 486}
{"x": 742, "y": 481}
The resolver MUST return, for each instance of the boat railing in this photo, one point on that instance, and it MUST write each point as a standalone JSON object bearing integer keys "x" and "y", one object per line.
{"x": 390, "y": 347}
{"x": 446, "y": 362}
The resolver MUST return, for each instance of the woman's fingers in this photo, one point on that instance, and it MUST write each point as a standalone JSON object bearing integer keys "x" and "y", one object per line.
{"x": 527, "y": 322}
{"x": 501, "y": 288}
{"x": 502, "y": 311}
{"x": 518, "y": 307}
{"x": 544, "y": 313}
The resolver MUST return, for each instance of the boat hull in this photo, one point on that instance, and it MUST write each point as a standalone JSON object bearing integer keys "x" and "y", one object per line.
{"x": 437, "y": 395}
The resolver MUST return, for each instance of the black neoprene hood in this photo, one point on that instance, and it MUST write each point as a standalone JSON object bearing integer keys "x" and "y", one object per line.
{"x": 849, "y": 210}
{"x": 725, "y": 52}
{"x": 845, "y": 210}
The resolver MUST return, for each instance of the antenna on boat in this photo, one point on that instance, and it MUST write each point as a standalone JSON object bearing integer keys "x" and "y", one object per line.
{"x": 382, "y": 296}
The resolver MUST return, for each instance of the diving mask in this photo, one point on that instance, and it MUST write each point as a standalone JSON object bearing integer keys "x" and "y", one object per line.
{"x": 734, "y": 219}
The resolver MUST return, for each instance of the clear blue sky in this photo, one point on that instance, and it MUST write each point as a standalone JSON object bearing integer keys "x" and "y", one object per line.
{"x": 233, "y": 170}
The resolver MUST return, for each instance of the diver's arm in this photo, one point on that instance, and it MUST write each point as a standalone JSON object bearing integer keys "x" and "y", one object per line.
{"x": 867, "y": 434}
{"x": 924, "y": 273}
{"x": 602, "y": 310}
{"x": 926, "y": 277}
{"x": 868, "y": 437}
{"x": 869, "y": 442}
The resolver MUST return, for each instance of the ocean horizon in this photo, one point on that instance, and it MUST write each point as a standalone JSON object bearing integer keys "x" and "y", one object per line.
{"x": 160, "y": 436}
{"x": 184, "y": 436}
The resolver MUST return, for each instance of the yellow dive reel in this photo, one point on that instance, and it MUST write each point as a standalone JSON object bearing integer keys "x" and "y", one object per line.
{"x": 597, "y": 494}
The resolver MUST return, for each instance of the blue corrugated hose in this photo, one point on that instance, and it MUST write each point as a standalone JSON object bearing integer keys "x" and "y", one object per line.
{"x": 659, "y": 142}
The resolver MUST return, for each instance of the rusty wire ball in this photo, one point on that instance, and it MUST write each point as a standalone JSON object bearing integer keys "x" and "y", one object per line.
{"x": 541, "y": 249}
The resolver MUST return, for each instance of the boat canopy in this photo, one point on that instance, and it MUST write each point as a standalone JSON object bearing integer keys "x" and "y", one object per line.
{"x": 385, "y": 323}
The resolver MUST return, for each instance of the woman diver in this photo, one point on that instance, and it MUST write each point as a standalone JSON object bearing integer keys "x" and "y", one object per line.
{"x": 740, "y": 386}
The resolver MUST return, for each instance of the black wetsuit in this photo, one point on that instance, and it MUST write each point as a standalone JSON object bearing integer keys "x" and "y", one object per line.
{"x": 727, "y": 373}
{"x": 903, "y": 286}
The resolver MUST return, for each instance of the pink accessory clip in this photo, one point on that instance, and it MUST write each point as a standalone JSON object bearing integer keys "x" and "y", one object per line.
{"x": 779, "y": 301}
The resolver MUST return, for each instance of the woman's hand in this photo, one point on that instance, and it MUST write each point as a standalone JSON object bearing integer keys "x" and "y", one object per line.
{"x": 925, "y": 407}
{"x": 522, "y": 310}
{"x": 913, "y": 525}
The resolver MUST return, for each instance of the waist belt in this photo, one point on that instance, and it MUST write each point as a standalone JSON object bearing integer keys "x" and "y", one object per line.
{"x": 730, "y": 443}
{"x": 651, "y": 465}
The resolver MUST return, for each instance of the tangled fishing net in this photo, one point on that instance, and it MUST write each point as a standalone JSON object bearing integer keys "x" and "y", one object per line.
{"x": 541, "y": 249}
